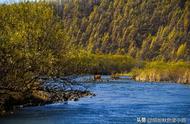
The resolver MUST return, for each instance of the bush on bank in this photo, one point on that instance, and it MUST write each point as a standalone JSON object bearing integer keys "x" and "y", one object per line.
{"x": 164, "y": 71}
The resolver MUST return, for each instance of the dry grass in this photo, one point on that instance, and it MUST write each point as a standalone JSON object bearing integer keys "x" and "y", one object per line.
{"x": 160, "y": 71}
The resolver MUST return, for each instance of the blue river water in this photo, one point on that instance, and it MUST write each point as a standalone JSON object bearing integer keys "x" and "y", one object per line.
{"x": 116, "y": 102}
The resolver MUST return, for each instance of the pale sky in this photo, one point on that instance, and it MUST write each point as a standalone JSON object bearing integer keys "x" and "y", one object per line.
{"x": 9, "y": 1}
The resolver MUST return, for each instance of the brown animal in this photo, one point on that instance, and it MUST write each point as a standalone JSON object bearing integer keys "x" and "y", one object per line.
{"x": 97, "y": 77}
{"x": 114, "y": 77}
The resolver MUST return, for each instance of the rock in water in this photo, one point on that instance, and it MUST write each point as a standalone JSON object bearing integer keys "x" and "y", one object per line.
{"x": 41, "y": 95}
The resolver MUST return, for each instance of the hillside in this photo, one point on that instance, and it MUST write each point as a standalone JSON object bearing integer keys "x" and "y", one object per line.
{"x": 146, "y": 29}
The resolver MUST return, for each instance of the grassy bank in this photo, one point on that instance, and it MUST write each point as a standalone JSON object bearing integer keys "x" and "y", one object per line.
{"x": 163, "y": 71}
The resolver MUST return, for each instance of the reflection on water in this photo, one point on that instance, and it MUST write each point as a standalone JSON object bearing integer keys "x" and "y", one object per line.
{"x": 115, "y": 102}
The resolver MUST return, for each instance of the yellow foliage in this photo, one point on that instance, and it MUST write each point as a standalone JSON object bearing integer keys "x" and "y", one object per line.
{"x": 181, "y": 50}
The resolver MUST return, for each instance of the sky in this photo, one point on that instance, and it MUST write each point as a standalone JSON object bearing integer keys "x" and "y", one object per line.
{"x": 8, "y": 1}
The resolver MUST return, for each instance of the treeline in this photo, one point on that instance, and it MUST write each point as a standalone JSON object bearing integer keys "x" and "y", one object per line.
{"x": 145, "y": 29}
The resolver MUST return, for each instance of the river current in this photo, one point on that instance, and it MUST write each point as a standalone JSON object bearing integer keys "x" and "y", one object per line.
{"x": 116, "y": 102}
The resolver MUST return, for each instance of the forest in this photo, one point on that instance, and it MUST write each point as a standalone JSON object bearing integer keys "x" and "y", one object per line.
{"x": 144, "y": 29}
{"x": 94, "y": 37}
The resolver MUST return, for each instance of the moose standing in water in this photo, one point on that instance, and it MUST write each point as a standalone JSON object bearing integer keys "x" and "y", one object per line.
{"x": 114, "y": 76}
{"x": 97, "y": 77}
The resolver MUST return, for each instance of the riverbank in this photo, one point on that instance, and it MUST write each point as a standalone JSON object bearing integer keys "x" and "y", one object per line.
{"x": 40, "y": 93}
{"x": 157, "y": 71}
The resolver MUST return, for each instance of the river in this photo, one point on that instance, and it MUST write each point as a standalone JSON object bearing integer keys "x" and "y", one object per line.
{"x": 120, "y": 101}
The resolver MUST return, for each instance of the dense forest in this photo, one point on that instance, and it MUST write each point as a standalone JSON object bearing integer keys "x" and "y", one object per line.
{"x": 145, "y": 29}
{"x": 89, "y": 37}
